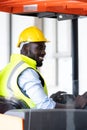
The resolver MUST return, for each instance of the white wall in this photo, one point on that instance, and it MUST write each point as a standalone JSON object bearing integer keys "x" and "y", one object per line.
{"x": 4, "y": 39}
{"x": 83, "y": 54}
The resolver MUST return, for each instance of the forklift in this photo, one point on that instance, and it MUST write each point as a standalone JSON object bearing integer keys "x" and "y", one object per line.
{"x": 27, "y": 119}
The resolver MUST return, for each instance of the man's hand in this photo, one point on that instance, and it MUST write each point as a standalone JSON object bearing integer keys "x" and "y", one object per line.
{"x": 85, "y": 95}
{"x": 62, "y": 98}
{"x": 81, "y": 101}
{"x": 57, "y": 97}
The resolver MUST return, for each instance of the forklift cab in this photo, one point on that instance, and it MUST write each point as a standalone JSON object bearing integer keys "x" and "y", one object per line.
{"x": 60, "y": 10}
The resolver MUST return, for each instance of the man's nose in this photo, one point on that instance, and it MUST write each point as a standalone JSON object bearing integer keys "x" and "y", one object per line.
{"x": 43, "y": 52}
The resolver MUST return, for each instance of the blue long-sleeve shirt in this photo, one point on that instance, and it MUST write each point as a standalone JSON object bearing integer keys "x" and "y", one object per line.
{"x": 29, "y": 81}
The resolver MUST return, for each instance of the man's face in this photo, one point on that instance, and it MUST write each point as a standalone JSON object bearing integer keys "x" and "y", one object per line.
{"x": 37, "y": 52}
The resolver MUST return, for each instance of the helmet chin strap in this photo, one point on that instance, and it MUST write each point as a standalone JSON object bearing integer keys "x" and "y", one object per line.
{"x": 22, "y": 44}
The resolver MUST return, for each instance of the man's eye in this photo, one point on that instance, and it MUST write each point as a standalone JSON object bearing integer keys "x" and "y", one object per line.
{"x": 42, "y": 48}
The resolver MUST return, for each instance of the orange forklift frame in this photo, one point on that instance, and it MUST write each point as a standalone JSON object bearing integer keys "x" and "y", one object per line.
{"x": 76, "y": 7}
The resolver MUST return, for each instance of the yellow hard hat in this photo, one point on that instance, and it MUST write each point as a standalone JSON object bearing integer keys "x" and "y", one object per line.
{"x": 31, "y": 34}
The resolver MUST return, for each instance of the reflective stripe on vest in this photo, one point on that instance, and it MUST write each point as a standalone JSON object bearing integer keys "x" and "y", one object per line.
{"x": 13, "y": 86}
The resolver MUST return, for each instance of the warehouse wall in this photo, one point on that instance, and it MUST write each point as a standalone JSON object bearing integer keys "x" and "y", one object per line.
{"x": 4, "y": 39}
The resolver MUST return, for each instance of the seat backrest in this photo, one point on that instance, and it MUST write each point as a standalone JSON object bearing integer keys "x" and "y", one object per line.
{"x": 8, "y": 104}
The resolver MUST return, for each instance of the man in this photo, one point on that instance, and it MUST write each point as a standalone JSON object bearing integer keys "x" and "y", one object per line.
{"x": 21, "y": 80}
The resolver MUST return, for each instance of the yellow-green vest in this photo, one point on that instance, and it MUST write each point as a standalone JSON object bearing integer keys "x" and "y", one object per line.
{"x": 9, "y": 78}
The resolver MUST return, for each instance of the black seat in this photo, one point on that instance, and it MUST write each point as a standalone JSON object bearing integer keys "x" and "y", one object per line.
{"x": 12, "y": 103}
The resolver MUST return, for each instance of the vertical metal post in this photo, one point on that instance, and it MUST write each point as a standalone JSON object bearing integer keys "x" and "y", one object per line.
{"x": 57, "y": 59}
{"x": 75, "y": 75}
{"x": 10, "y": 34}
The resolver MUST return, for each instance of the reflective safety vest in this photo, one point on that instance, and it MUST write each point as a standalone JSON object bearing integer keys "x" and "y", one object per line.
{"x": 9, "y": 78}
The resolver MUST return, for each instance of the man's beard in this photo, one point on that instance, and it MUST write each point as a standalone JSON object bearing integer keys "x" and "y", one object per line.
{"x": 32, "y": 56}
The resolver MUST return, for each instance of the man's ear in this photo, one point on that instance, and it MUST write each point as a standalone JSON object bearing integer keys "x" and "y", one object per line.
{"x": 25, "y": 49}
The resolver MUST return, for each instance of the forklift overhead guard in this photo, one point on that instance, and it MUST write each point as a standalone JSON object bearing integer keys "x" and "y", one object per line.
{"x": 33, "y": 7}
